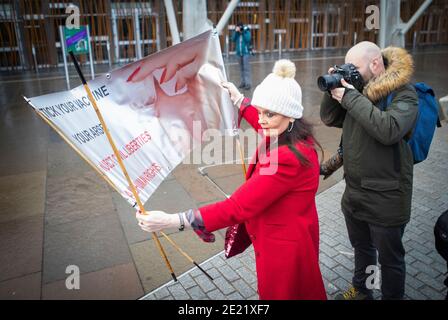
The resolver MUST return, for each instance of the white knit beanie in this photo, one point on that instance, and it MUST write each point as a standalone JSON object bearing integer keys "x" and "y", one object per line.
{"x": 279, "y": 92}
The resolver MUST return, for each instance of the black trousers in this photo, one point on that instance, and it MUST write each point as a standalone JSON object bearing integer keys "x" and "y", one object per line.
{"x": 245, "y": 70}
{"x": 368, "y": 240}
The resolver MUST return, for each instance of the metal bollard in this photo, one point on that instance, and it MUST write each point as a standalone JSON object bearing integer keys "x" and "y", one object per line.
{"x": 279, "y": 46}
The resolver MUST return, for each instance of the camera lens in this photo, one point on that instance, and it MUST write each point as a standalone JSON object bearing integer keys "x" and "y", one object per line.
{"x": 329, "y": 81}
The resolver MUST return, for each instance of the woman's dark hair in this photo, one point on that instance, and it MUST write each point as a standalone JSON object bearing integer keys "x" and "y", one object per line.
{"x": 301, "y": 132}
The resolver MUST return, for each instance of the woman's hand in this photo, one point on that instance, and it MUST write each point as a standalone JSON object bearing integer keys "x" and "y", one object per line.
{"x": 157, "y": 220}
{"x": 235, "y": 95}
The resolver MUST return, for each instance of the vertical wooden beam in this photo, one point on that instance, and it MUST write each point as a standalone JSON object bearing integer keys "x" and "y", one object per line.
{"x": 108, "y": 11}
{"x": 160, "y": 9}
{"x": 305, "y": 27}
{"x": 340, "y": 20}
{"x": 325, "y": 12}
{"x": 262, "y": 23}
{"x": 311, "y": 24}
{"x": 49, "y": 33}
{"x": 271, "y": 25}
{"x": 27, "y": 36}
{"x": 25, "y": 54}
{"x": 287, "y": 16}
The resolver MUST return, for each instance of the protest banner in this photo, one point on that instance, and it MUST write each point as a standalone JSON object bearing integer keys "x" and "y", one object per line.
{"x": 154, "y": 120}
{"x": 152, "y": 109}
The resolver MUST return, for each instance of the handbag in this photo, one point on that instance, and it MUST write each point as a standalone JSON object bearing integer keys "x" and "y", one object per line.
{"x": 236, "y": 240}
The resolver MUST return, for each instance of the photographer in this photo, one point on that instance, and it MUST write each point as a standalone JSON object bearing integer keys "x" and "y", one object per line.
{"x": 376, "y": 118}
{"x": 242, "y": 38}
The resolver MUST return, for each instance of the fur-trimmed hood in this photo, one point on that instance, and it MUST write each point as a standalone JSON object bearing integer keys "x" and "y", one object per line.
{"x": 399, "y": 70}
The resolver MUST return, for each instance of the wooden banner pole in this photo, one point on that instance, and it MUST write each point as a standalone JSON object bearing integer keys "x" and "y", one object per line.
{"x": 120, "y": 161}
{"x": 243, "y": 164}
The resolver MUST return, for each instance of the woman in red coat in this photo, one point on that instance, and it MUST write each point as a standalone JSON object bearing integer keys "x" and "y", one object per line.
{"x": 276, "y": 205}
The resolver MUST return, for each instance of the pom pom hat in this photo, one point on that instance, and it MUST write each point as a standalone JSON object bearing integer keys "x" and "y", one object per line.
{"x": 279, "y": 92}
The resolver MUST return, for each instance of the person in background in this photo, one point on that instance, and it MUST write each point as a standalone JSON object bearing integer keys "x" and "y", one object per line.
{"x": 242, "y": 38}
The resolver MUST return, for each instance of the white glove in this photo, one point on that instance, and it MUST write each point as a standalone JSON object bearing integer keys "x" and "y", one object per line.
{"x": 157, "y": 220}
{"x": 235, "y": 95}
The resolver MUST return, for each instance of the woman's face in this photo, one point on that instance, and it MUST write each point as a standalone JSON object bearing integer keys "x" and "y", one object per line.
{"x": 273, "y": 124}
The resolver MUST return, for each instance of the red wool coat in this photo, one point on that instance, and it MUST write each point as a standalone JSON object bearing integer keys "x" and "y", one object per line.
{"x": 280, "y": 216}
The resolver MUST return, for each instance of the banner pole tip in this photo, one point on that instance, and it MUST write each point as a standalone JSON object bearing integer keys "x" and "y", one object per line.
{"x": 203, "y": 271}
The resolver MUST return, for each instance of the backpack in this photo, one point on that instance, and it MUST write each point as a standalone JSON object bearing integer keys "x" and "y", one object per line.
{"x": 250, "y": 46}
{"x": 427, "y": 121}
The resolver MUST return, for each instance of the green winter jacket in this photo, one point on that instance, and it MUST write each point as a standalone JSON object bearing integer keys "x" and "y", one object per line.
{"x": 378, "y": 162}
{"x": 242, "y": 41}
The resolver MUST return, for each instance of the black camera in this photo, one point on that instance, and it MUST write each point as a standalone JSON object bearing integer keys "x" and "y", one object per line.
{"x": 347, "y": 71}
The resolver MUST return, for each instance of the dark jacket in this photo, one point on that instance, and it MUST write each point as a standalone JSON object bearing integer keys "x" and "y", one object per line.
{"x": 378, "y": 162}
{"x": 242, "y": 41}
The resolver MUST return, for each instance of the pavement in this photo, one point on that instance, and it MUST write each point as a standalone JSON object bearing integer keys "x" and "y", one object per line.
{"x": 235, "y": 278}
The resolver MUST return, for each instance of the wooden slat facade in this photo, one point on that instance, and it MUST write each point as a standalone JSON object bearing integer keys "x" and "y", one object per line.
{"x": 133, "y": 28}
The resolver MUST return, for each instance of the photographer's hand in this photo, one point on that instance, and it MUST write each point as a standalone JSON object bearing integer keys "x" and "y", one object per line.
{"x": 338, "y": 93}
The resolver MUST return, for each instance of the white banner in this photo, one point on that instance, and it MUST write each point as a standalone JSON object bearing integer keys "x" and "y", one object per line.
{"x": 156, "y": 110}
